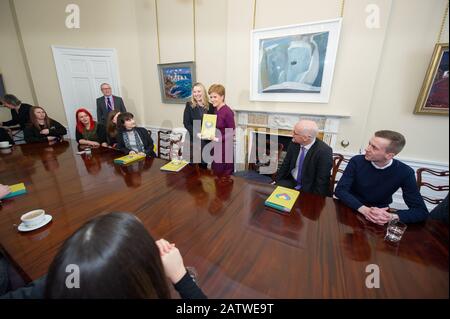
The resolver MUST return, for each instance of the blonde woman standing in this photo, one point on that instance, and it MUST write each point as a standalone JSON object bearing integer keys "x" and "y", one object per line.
{"x": 194, "y": 111}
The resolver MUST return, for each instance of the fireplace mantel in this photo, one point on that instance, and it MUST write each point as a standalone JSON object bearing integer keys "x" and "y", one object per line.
{"x": 281, "y": 122}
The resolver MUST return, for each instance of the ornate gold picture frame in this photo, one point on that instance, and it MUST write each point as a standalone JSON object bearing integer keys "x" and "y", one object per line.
{"x": 433, "y": 97}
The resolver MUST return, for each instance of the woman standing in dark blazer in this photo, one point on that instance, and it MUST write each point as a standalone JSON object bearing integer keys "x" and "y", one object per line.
{"x": 132, "y": 139}
{"x": 42, "y": 128}
{"x": 194, "y": 111}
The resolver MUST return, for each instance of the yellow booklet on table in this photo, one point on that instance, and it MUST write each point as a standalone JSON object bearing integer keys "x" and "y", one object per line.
{"x": 172, "y": 167}
{"x": 127, "y": 159}
{"x": 209, "y": 126}
{"x": 16, "y": 189}
{"x": 282, "y": 199}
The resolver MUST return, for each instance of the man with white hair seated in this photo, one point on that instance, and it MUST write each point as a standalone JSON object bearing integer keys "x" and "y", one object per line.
{"x": 308, "y": 162}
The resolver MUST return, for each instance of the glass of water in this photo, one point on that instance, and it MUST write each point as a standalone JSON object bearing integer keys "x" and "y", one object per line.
{"x": 395, "y": 230}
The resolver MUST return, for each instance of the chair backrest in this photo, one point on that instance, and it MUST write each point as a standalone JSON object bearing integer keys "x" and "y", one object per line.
{"x": 436, "y": 188}
{"x": 338, "y": 159}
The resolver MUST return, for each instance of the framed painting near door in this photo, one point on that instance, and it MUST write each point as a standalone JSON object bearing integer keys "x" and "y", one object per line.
{"x": 176, "y": 81}
{"x": 433, "y": 97}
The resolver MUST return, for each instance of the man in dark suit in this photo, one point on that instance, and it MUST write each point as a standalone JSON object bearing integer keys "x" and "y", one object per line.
{"x": 107, "y": 103}
{"x": 308, "y": 162}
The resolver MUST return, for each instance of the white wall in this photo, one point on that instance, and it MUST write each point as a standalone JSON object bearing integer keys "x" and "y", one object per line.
{"x": 12, "y": 63}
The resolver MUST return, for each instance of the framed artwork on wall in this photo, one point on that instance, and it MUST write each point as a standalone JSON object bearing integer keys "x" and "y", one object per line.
{"x": 294, "y": 63}
{"x": 176, "y": 81}
{"x": 433, "y": 97}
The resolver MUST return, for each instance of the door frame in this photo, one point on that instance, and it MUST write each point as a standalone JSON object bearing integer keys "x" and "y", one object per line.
{"x": 65, "y": 88}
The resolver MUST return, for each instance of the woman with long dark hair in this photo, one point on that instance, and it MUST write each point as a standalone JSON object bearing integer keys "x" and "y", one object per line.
{"x": 111, "y": 129}
{"x": 42, "y": 128}
{"x": 117, "y": 258}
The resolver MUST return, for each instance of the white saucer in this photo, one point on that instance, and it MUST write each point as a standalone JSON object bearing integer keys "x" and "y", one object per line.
{"x": 10, "y": 145}
{"x": 47, "y": 219}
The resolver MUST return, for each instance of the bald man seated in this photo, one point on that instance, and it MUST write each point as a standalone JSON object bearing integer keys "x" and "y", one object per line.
{"x": 308, "y": 162}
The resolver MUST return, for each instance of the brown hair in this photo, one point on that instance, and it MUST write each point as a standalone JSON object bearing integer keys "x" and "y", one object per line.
{"x": 204, "y": 93}
{"x": 121, "y": 120}
{"x": 34, "y": 121}
{"x": 218, "y": 89}
{"x": 111, "y": 128}
{"x": 116, "y": 258}
{"x": 398, "y": 141}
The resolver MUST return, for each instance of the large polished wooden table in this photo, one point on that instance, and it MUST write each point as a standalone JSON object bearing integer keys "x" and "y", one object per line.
{"x": 239, "y": 248}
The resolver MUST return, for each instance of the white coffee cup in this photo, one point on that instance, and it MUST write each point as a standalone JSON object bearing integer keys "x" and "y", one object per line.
{"x": 4, "y": 144}
{"x": 33, "y": 218}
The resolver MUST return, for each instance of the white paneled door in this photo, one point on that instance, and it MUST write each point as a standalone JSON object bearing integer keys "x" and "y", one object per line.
{"x": 80, "y": 74}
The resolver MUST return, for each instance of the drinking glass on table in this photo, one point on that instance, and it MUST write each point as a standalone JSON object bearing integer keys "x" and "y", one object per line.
{"x": 395, "y": 230}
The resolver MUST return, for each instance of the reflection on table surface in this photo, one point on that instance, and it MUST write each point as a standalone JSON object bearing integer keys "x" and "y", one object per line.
{"x": 239, "y": 248}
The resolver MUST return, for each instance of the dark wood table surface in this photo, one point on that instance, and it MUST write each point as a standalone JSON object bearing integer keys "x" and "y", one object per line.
{"x": 239, "y": 248}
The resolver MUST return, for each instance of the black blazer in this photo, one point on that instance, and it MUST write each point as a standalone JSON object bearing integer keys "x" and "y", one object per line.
{"x": 194, "y": 113}
{"x": 21, "y": 118}
{"x": 316, "y": 170}
{"x": 33, "y": 134}
{"x": 145, "y": 138}
{"x": 102, "y": 110}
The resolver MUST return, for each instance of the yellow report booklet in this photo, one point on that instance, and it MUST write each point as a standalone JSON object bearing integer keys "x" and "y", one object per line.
{"x": 209, "y": 126}
{"x": 172, "y": 167}
{"x": 128, "y": 159}
{"x": 16, "y": 189}
{"x": 282, "y": 199}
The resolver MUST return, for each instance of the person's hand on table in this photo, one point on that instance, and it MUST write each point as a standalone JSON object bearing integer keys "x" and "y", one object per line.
{"x": 4, "y": 190}
{"x": 171, "y": 260}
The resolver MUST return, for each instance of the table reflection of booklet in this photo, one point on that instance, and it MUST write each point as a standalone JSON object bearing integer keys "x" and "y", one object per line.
{"x": 127, "y": 159}
{"x": 282, "y": 199}
{"x": 16, "y": 190}
{"x": 209, "y": 126}
{"x": 174, "y": 166}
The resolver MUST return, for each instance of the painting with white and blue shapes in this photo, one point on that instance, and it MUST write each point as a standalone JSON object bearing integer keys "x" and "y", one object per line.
{"x": 177, "y": 82}
{"x": 292, "y": 64}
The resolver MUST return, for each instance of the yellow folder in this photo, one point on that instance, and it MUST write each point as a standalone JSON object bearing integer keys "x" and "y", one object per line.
{"x": 172, "y": 167}
{"x": 282, "y": 199}
{"x": 209, "y": 126}
{"x": 16, "y": 189}
{"x": 128, "y": 159}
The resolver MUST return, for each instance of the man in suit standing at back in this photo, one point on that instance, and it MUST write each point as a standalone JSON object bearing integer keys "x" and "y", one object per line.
{"x": 107, "y": 103}
{"x": 308, "y": 162}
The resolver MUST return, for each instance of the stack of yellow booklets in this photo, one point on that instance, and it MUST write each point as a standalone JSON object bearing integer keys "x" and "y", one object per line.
{"x": 127, "y": 159}
{"x": 174, "y": 167}
{"x": 282, "y": 199}
{"x": 209, "y": 126}
{"x": 16, "y": 189}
